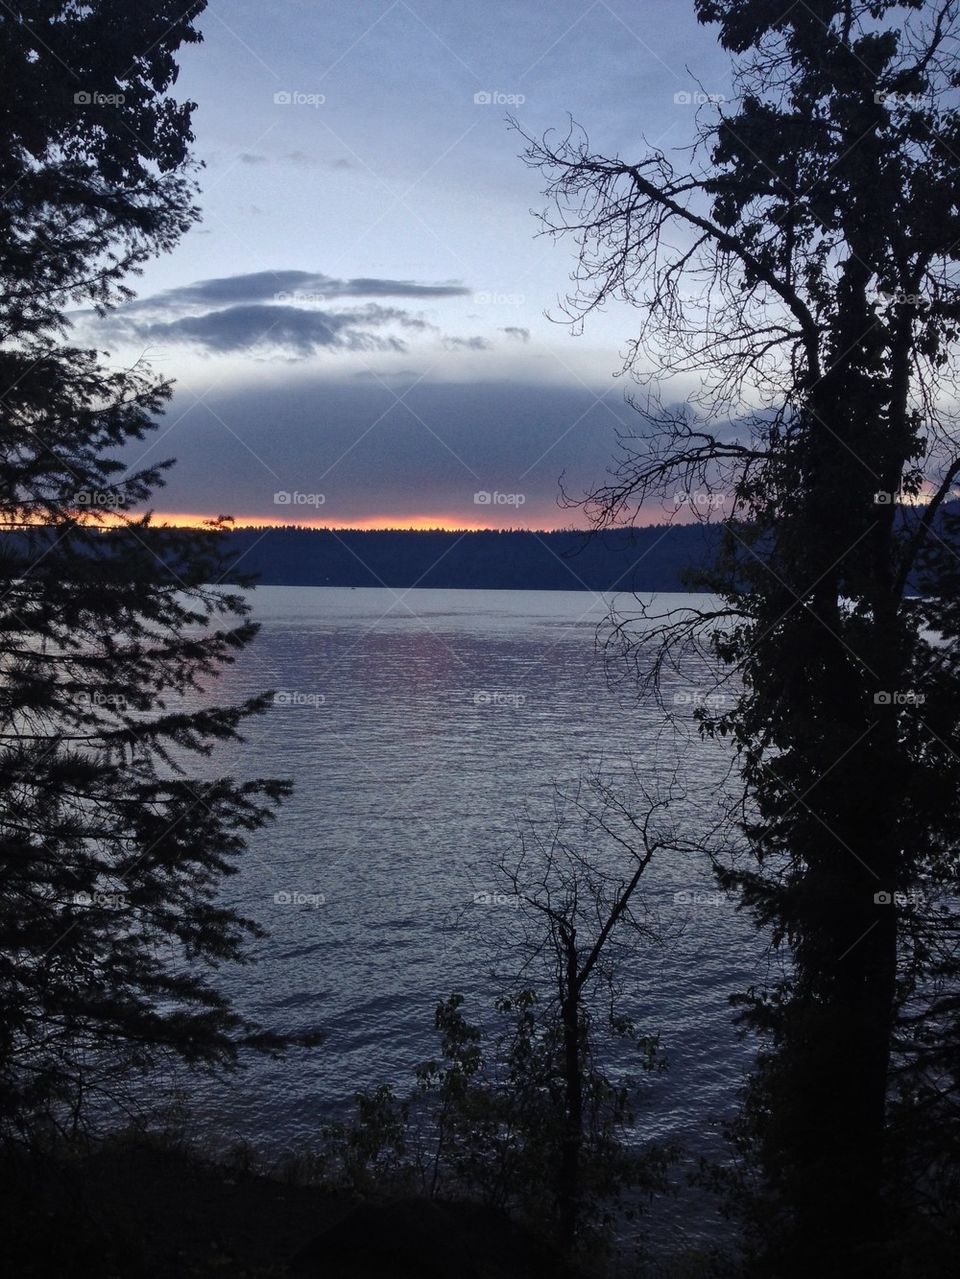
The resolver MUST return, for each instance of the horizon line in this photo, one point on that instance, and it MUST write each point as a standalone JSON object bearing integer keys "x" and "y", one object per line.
{"x": 376, "y": 524}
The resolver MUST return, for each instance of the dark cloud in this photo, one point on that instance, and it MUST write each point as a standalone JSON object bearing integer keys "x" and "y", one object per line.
{"x": 293, "y": 313}
{"x": 301, "y": 159}
{"x": 365, "y": 287}
{"x": 392, "y": 449}
{"x": 286, "y": 329}
{"x": 284, "y": 286}
{"x": 518, "y": 334}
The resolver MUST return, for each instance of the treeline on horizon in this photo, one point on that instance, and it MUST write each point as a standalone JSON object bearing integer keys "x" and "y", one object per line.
{"x": 656, "y": 557}
{"x": 653, "y": 558}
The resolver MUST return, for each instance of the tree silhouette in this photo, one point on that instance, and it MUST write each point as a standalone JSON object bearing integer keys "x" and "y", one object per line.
{"x": 805, "y": 271}
{"x": 112, "y": 849}
{"x": 576, "y": 908}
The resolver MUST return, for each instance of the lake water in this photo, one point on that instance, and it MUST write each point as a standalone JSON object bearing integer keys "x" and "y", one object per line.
{"x": 423, "y": 730}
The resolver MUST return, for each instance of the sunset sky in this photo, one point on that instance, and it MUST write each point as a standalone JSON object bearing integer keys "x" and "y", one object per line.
{"x": 359, "y": 321}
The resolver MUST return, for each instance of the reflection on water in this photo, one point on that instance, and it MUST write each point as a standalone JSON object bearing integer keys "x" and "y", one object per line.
{"x": 420, "y": 728}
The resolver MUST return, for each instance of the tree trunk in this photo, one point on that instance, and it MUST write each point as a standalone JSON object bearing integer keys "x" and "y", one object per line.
{"x": 569, "y": 1190}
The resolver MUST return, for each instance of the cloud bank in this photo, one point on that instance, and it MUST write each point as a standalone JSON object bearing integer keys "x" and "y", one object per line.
{"x": 288, "y": 313}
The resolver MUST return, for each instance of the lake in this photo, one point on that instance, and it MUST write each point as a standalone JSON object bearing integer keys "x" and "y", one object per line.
{"x": 424, "y": 730}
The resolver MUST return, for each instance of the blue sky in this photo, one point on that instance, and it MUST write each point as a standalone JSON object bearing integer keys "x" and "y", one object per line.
{"x": 357, "y": 187}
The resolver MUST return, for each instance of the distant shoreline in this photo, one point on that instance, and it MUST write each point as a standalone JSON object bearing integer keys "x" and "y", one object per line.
{"x": 653, "y": 557}
{"x": 634, "y": 559}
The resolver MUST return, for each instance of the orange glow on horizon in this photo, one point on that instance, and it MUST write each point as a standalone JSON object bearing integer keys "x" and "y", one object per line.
{"x": 408, "y": 523}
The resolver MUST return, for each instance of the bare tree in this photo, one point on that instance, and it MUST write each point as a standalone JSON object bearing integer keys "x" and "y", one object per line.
{"x": 583, "y": 922}
{"x": 803, "y": 269}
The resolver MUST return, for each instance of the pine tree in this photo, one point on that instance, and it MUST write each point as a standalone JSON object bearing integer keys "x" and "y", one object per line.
{"x": 806, "y": 276}
{"x": 114, "y": 840}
